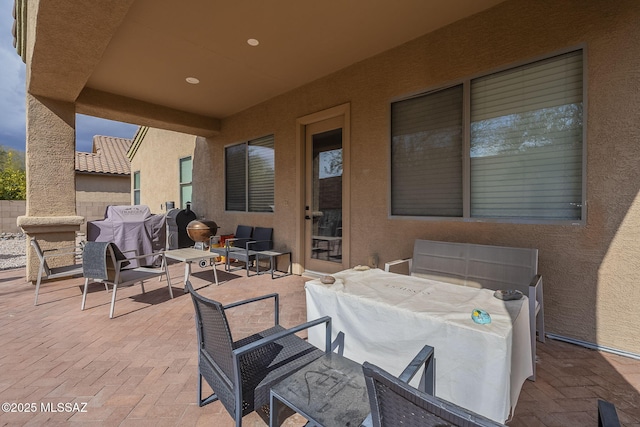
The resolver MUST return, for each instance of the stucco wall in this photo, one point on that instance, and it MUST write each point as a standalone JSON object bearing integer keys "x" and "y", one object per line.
{"x": 158, "y": 160}
{"x": 95, "y": 192}
{"x": 590, "y": 272}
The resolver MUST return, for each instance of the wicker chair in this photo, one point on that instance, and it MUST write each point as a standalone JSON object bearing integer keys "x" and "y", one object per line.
{"x": 394, "y": 402}
{"x": 241, "y": 372}
{"x": 607, "y": 415}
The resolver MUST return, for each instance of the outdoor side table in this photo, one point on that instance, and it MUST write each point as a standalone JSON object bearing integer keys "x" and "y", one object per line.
{"x": 189, "y": 255}
{"x": 273, "y": 263}
{"x": 329, "y": 392}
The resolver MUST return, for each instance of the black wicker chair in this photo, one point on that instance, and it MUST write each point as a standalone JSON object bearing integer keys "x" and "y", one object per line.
{"x": 394, "y": 402}
{"x": 241, "y": 372}
{"x": 607, "y": 414}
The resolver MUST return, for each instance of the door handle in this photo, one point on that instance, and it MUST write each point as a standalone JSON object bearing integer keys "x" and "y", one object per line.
{"x": 307, "y": 217}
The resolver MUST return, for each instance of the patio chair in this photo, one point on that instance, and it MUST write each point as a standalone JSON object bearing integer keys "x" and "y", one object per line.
{"x": 233, "y": 244}
{"x": 49, "y": 273}
{"x": 394, "y": 402}
{"x": 244, "y": 249}
{"x": 243, "y": 235}
{"x": 241, "y": 372}
{"x": 103, "y": 262}
{"x": 607, "y": 415}
{"x": 262, "y": 240}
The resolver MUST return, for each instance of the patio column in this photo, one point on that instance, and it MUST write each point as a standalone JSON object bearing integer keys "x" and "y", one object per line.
{"x": 50, "y": 164}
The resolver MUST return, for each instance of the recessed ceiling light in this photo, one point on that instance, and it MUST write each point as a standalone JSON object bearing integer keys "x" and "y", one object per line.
{"x": 253, "y": 42}
{"x": 192, "y": 80}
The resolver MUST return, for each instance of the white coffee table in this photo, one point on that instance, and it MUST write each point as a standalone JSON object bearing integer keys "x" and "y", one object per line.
{"x": 189, "y": 255}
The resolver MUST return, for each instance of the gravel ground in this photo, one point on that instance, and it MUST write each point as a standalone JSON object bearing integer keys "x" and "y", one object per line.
{"x": 13, "y": 249}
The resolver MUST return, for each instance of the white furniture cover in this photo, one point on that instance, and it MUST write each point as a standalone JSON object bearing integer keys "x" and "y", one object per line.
{"x": 131, "y": 228}
{"x": 387, "y": 318}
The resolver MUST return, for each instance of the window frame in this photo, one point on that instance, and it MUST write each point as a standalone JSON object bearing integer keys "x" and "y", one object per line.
{"x": 247, "y": 173}
{"x": 466, "y": 145}
{"x": 182, "y": 184}
{"x": 136, "y": 190}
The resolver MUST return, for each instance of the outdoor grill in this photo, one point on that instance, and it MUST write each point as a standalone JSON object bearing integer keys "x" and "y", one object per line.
{"x": 201, "y": 230}
{"x": 131, "y": 228}
{"x": 177, "y": 221}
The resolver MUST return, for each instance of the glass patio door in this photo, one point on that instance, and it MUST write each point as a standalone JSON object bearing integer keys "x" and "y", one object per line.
{"x": 324, "y": 196}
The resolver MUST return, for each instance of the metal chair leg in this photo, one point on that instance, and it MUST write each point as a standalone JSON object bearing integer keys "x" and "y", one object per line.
{"x": 201, "y": 402}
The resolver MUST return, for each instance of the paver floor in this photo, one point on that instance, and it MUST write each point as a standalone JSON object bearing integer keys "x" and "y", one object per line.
{"x": 140, "y": 368}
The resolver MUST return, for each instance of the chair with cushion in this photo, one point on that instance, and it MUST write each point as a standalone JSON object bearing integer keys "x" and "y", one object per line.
{"x": 244, "y": 249}
{"x": 241, "y": 372}
{"x": 244, "y": 234}
{"x": 394, "y": 402}
{"x": 49, "y": 273}
{"x": 235, "y": 244}
{"x": 103, "y": 262}
{"x": 262, "y": 240}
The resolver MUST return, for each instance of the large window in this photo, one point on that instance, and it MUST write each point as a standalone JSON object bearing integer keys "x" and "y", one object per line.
{"x": 136, "y": 188}
{"x": 249, "y": 176}
{"x": 504, "y": 146}
{"x": 186, "y": 169}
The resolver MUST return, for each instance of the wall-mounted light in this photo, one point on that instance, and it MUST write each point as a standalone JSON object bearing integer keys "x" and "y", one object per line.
{"x": 253, "y": 42}
{"x": 192, "y": 80}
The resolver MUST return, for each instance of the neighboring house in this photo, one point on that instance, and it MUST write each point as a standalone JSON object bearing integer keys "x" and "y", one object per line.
{"x": 410, "y": 102}
{"x": 103, "y": 177}
{"x": 161, "y": 165}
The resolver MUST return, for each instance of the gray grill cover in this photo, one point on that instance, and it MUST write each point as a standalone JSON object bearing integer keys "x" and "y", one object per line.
{"x": 131, "y": 228}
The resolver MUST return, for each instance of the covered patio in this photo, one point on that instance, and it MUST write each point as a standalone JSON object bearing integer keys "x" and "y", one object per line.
{"x": 325, "y": 79}
{"x": 140, "y": 368}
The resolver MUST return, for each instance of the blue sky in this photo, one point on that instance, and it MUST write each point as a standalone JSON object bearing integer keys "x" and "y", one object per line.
{"x": 12, "y": 98}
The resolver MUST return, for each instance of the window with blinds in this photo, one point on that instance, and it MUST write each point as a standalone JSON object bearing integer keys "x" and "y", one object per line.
{"x": 526, "y": 141}
{"x": 525, "y": 155}
{"x": 261, "y": 174}
{"x": 426, "y": 154}
{"x": 250, "y": 172}
{"x": 235, "y": 177}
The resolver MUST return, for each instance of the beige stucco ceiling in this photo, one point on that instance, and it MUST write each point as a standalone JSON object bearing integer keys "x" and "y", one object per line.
{"x": 121, "y": 59}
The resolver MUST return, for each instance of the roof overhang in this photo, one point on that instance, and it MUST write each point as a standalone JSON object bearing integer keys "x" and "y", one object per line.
{"x": 129, "y": 60}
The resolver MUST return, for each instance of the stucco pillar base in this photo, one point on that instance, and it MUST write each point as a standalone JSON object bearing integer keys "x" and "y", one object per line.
{"x": 52, "y": 233}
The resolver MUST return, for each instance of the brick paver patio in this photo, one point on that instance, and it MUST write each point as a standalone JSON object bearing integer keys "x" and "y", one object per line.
{"x": 140, "y": 367}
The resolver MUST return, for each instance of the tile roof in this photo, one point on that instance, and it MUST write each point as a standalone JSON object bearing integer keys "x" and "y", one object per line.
{"x": 109, "y": 156}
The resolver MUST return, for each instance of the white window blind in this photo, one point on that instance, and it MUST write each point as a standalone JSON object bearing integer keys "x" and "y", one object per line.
{"x": 250, "y": 171}
{"x": 426, "y": 154}
{"x": 526, "y": 141}
{"x": 261, "y": 174}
